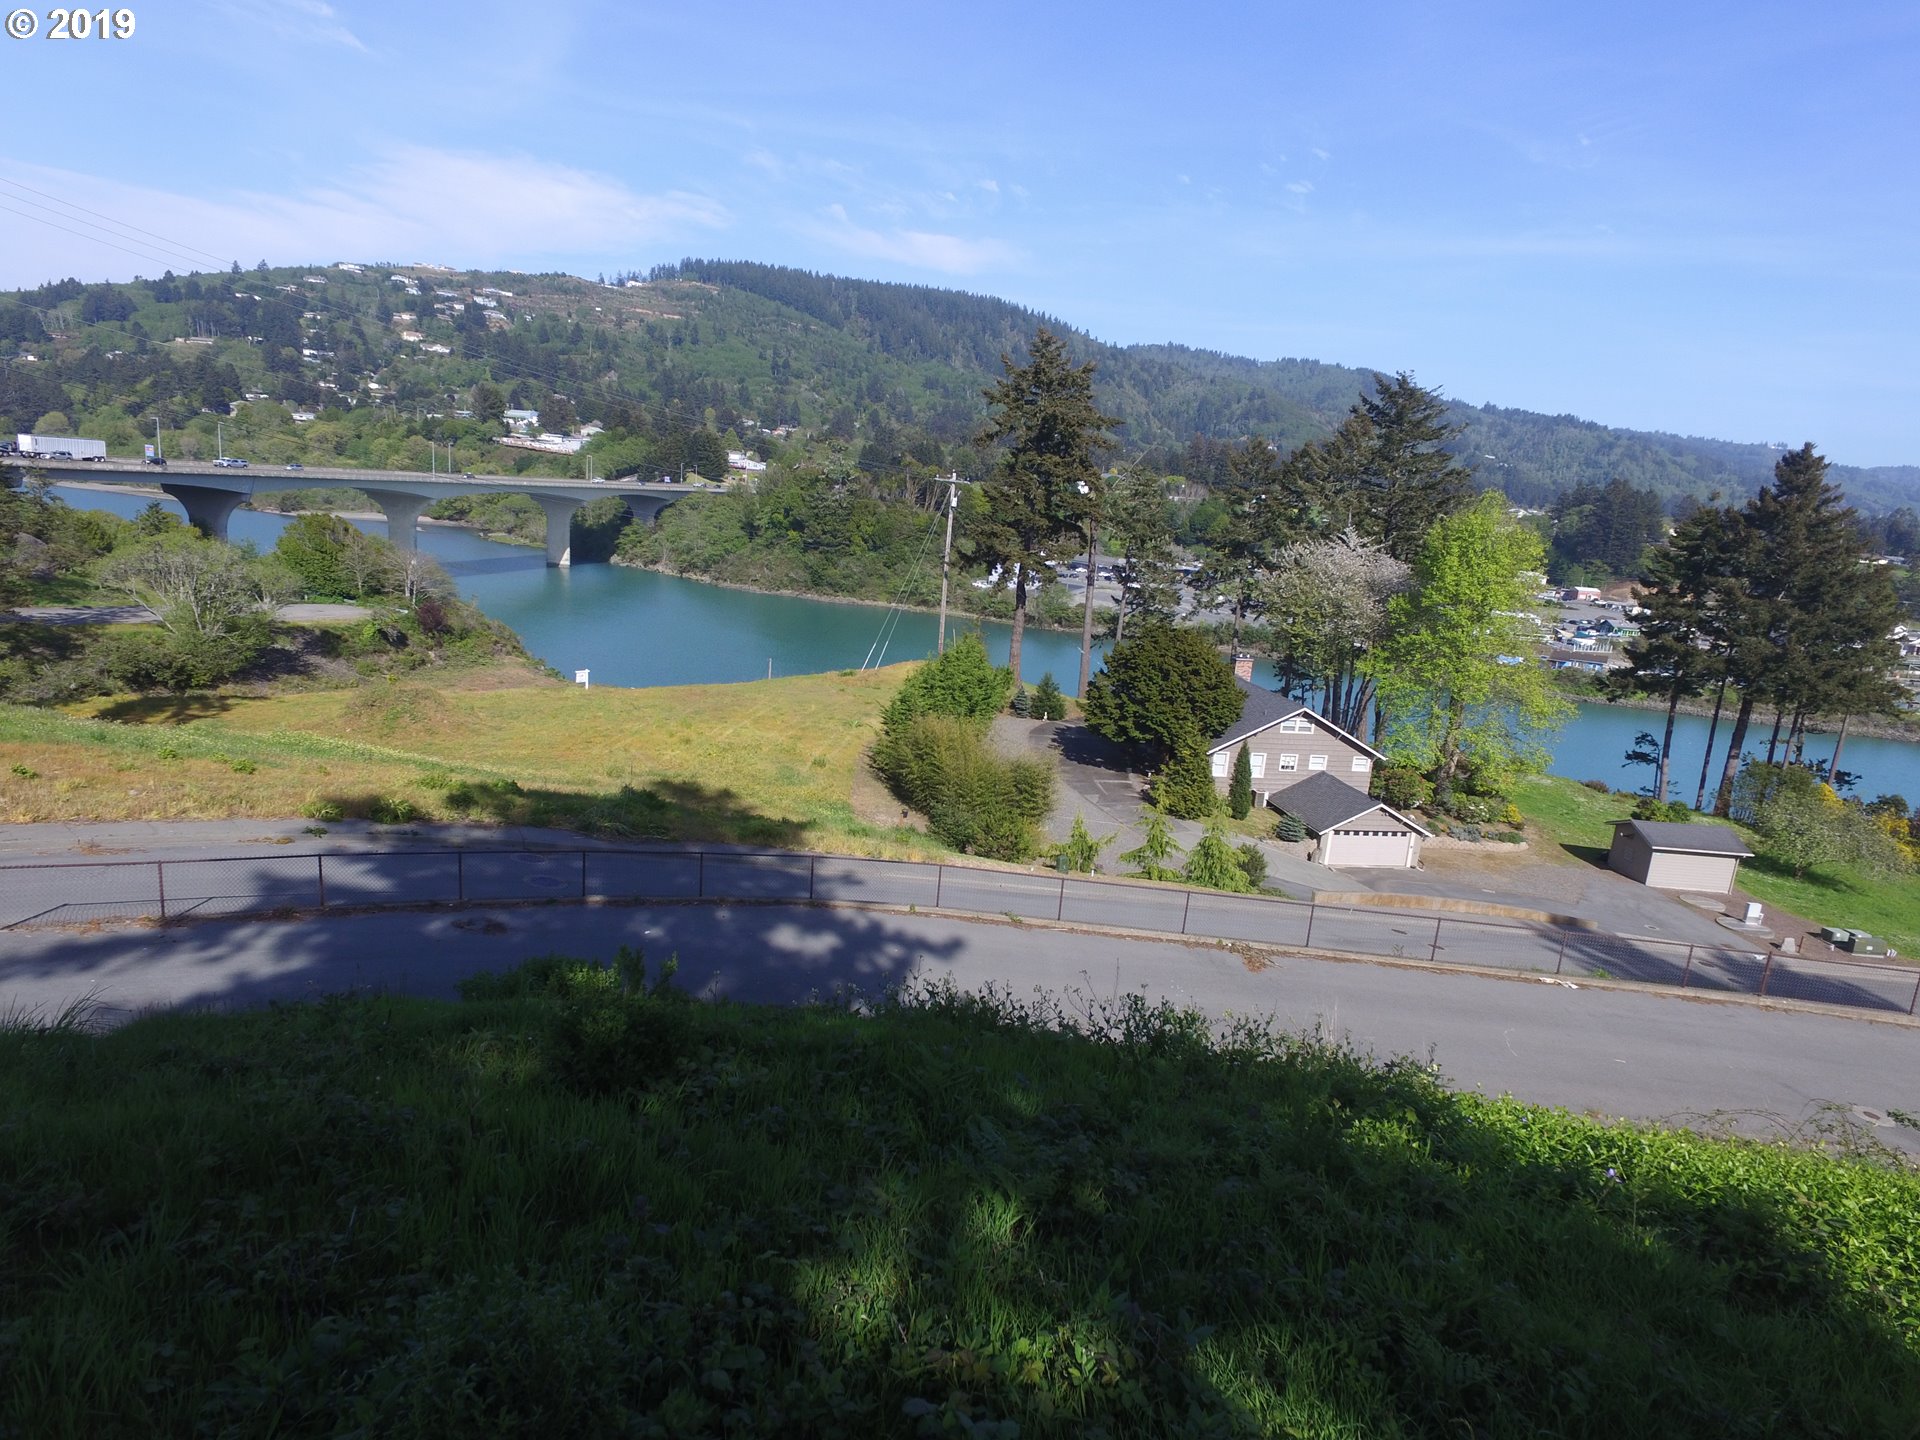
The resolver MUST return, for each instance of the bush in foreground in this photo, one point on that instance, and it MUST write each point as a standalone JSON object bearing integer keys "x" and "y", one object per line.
{"x": 578, "y": 1203}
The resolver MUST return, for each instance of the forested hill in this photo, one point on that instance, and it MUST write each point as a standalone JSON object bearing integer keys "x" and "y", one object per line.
{"x": 387, "y": 356}
{"x": 1169, "y": 393}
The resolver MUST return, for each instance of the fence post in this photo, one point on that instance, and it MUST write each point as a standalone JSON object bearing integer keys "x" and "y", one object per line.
{"x": 939, "y": 880}
{"x": 460, "y": 875}
{"x": 583, "y": 873}
{"x": 160, "y": 879}
{"x": 1561, "y": 958}
{"x": 1307, "y": 944}
{"x": 700, "y": 881}
{"x": 813, "y": 873}
{"x": 1764, "y": 973}
{"x": 320, "y": 874}
{"x": 1060, "y": 910}
{"x": 1687, "y": 969}
{"x": 1434, "y": 954}
{"x": 1184, "y": 909}
{"x": 1914, "y": 1004}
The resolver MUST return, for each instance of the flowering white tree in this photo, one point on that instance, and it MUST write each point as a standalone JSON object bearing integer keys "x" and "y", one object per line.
{"x": 1327, "y": 605}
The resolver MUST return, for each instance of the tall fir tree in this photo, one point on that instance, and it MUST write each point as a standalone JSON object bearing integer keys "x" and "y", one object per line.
{"x": 1044, "y": 494}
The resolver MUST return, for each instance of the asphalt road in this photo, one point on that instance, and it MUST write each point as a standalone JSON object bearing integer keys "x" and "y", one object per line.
{"x": 1636, "y": 1053}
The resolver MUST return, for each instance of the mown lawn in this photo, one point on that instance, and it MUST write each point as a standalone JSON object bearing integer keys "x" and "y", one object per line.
{"x": 1566, "y": 812}
{"x": 768, "y": 763}
{"x": 564, "y": 1208}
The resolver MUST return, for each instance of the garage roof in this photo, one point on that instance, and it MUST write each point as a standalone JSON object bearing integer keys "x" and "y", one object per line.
{"x": 1321, "y": 801}
{"x": 1670, "y": 835}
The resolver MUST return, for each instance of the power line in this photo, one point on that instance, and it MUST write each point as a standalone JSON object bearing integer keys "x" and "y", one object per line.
{"x": 177, "y": 247}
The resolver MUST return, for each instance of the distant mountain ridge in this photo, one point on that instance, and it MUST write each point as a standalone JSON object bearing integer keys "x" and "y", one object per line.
{"x": 894, "y": 369}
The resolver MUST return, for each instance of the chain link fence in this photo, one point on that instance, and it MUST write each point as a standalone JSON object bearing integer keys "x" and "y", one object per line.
{"x": 77, "y": 892}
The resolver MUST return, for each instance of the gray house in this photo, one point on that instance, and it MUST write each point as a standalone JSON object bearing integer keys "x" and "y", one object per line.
{"x": 1670, "y": 856}
{"x": 1287, "y": 742}
{"x": 1352, "y": 827}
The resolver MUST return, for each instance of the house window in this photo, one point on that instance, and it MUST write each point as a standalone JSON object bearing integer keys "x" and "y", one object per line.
{"x": 1259, "y": 764}
{"x": 1316, "y": 762}
{"x": 1289, "y": 762}
{"x": 1220, "y": 764}
{"x": 1297, "y": 725}
{"x": 1361, "y": 762}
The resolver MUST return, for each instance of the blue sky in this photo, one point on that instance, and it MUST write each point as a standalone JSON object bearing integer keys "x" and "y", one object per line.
{"x": 1688, "y": 218}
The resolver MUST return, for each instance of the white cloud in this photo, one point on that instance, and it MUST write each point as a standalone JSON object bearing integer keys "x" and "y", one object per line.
{"x": 1301, "y": 187}
{"x": 925, "y": 249}
{"x": 991, "y": 186}
{"x": 302, "y": 20}
{"x": 409, "y": 203}
{"x": 1320, "y": 154}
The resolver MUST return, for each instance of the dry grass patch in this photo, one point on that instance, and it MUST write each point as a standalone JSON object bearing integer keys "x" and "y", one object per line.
{"x": 770, "y": 762}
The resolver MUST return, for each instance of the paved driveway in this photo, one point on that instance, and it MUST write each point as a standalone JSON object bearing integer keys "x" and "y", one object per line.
{"x": 1096, "y": 782}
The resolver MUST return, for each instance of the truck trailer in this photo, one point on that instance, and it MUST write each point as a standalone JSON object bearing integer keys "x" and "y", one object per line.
{"x": 61, "y": 447}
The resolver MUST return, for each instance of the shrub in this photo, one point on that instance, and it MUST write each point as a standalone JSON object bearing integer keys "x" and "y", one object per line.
{"x": 1598, "y": 785}
{"x": 1402, "y": 786}
{"x": 1022, "y": 705}
{"x": 1474, "y": 809}
{"x": 1289, "y": 828}
{"x": 1253, "y": 863}
{"x": 1158, "y": 686}
{"x": 1184, "y": 789}
{"x": 318, "y": 809}
{"x": 1080, "y": 851}
{"x": 1648, "y": 808}
{"x": 1213, "y": 862}
{"x": 962, "y": 683}
{"x": 1151, "y": 857}
{"x": 393, "y": 810}
{"x": 975, "y": 800}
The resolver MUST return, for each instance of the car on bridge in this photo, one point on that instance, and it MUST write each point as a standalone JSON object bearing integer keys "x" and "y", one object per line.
{"x": 229, "y": 462}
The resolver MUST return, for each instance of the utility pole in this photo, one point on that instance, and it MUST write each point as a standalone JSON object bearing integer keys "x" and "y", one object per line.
{"x": 952, "y": 483}
{"x": 1086, "y": 618}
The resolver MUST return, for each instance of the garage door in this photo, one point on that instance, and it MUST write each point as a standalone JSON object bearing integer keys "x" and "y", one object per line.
{"x": 1356, "y": 848}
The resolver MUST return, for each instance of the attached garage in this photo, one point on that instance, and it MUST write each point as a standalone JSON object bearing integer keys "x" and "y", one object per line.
{"x": 1670, "y": 856}
{"x": 1359, "y": 847}
{"x": 1355, "y": 831}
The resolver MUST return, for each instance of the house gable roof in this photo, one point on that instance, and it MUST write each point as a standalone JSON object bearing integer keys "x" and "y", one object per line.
{"x": 1322, "y": 801}
{"x": 1266, "y": 708}
{"x": 1676, "y": 836}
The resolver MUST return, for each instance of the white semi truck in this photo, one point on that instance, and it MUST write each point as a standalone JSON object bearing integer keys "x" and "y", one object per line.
{"x": 61, "y": 447}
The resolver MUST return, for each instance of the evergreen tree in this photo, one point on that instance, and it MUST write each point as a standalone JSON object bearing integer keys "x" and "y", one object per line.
{"x": 1806, "y": 619}
{"x": 1160, "y": 684}
{"x": 1138, "y": 534}
{"x": 1045, "y": 491}
{"x": 1150, "y": 858}
{"x": 1214, "y": 864}
{"x": 1184, "y": 789}
{"x": 1240, "y": 793}
{"x": 1387, "y": 471}
{"x": 1263, "y": 508}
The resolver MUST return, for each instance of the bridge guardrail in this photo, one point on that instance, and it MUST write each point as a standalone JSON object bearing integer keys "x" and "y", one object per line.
{"x": 83, "y": 891}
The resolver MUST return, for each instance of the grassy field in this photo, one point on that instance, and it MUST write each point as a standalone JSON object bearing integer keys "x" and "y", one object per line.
{"x": 565, "y": 1206}
{"x": 768, "y": 763}
{"x": 1565, "y": 812}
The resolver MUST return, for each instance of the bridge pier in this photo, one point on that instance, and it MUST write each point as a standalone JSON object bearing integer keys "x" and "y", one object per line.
{"x": 559, "y": 511}
{"x": 208, "y": 509}
{"x": 403, "y": 512}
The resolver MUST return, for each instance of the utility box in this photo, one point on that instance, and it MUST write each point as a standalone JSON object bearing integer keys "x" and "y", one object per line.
{"x": 1861, "y": 943}
{"x": 1835, "y": 934}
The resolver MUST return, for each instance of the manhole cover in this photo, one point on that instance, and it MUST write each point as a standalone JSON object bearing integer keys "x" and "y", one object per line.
{"x": 1872, "y": 1117}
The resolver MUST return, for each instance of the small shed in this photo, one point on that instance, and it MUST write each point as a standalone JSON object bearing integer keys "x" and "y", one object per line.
{"x": 1354, "y": 829}
{"x": 1671, "y": 856}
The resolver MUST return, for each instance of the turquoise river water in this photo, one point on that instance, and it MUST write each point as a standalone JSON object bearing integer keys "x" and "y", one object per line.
{"x": 636, "y": 627}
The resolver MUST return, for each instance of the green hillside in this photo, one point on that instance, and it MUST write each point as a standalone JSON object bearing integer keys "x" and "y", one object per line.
{"x": 722, "y": 349}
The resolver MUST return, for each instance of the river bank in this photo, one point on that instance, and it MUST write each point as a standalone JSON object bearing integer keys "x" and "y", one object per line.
{"x": 1866, "y": 727}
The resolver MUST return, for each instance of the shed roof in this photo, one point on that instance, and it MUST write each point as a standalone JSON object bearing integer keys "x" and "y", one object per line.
{"x": 1266, "y": 707}
{"x": 1322, "y": 801}
{"x": 1687, "y": 839}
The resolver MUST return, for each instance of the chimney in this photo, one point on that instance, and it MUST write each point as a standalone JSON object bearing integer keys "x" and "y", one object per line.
{"x": 1243, "y": 667}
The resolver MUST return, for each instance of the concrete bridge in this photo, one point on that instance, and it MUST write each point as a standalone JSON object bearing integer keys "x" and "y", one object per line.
{"x": 210, "y": 493}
